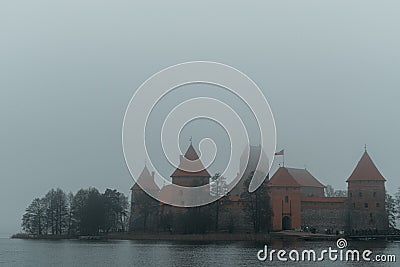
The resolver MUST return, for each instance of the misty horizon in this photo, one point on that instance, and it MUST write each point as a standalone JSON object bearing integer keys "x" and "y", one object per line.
{"x": 68, "y": 72}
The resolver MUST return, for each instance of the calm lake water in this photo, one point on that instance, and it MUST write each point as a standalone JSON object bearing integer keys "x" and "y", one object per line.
{"x": 14, "y": 252}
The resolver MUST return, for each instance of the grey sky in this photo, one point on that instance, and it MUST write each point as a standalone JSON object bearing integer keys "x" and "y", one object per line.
{"x": 330, "y": 71}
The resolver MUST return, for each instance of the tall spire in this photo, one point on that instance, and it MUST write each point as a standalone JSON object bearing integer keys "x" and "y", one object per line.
{"x": 366, "y": 170}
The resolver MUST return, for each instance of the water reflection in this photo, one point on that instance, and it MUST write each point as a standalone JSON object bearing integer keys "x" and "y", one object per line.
{"x": 167, "y": 253}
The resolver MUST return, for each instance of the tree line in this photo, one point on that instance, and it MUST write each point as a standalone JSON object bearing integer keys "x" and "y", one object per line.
{"x": 88, "y": 212}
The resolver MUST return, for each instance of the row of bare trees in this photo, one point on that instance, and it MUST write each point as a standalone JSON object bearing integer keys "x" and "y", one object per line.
{"x": 88, "y": 212}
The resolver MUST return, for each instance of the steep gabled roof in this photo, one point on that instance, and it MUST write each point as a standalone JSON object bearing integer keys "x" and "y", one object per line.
{"x": 366, "y": 170}
{"x": 294, "y": 178}
{"x": 283, "y": 178}
{"x": 189, "y": 162}
{"x": 304, "y": 178}
{"x": 146, "y": 180}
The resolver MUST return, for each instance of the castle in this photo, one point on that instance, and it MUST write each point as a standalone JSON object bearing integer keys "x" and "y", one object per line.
{"x": 295, "y": 197}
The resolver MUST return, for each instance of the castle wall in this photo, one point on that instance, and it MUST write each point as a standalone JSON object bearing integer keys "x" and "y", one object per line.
{"x": 365, "y": 221}
{"x": 324, "y": 215}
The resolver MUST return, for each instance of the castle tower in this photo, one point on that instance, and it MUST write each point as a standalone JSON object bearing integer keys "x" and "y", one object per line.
{"x": 143, "y": 205}
{"x": 366, "y": 197}
{"x": 255, "y": 154}
{"x": 286, "y": 188}
{"x": 183, "y": 175}
{"x": 189, "y": 173}
{"x": 147, "y": 181}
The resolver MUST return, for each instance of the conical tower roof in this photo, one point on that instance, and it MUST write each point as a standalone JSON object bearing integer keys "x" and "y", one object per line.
{"x": 146, "y": 180}
{"x": 191, "y": 153}
{"x": 190, "y": 162}
{"x": 366, "y": 170}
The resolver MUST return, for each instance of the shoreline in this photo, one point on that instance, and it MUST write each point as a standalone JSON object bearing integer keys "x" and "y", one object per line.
{"x": 257, "y": 237}
{"x": 153, "y": 237}
{"x": 254, "y": 237}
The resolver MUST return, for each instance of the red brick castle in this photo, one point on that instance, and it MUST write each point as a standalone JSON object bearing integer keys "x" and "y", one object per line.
{"x": 297, "y": 199}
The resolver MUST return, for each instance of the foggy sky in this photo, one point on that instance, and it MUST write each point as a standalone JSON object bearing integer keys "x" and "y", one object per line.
{"x": 330, "y": 71}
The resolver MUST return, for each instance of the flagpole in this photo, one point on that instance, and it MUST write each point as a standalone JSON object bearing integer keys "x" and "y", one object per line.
{"x": 281, "y": 153}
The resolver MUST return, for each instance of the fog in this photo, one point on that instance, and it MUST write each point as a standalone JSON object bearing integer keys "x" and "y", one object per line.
{"x": 330, "y": 71}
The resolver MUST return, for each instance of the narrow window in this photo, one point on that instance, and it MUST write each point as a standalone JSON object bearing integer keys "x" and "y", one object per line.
{"x": 374, "y": 194}
{"x": 360, "y": 194}
{"x": 378, "y": 205}
{"x": 365, "y": 205}
{"x": 286, "y": 199}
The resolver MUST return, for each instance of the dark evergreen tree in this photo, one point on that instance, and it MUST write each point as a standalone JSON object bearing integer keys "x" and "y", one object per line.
{"x": 78, "y": 210}
{"x": 93, "y": 216}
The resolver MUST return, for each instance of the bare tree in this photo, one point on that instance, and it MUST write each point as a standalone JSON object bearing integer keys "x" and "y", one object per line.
{"x": 397, "y": 203}
{"x": 258, "y": 206}
{"x": 331, "y": 192}
{"x": 70, "y": 199}
{"x": 218, "y": 187}
{"x": 391, "y": 211}
{"x": 34, "y": 219}
{"x": 56, "y": 211}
